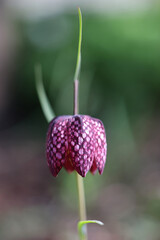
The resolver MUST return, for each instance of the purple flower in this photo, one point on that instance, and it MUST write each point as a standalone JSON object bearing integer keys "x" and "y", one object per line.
{"x": 76, "y": 142}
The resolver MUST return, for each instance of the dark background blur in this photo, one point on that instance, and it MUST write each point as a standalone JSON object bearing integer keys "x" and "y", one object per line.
{"x": 119, "y": 83}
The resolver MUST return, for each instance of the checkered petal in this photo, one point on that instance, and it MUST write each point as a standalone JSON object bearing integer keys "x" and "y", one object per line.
{"x": 100, "y": 144}
{"x": 80, "y": 140}
{"x": 57, "y": 144}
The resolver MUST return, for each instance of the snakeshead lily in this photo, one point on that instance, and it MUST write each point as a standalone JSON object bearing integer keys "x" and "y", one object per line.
{"x": 76, "y": 142}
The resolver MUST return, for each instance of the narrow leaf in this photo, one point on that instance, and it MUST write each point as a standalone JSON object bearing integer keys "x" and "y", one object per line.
{"x": 82, "y": 229}
{"x": 44, "y": 102}
{"x": 78, "y": 64}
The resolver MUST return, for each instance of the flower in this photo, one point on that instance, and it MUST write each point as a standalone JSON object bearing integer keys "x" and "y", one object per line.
{"x": 76, "y": 142}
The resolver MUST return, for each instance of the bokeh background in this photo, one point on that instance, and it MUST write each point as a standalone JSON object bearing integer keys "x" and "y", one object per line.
{"x": 119, "y": 83}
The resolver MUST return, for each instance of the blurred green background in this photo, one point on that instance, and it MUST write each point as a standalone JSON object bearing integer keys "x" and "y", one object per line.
{"x": 119, "y": 84}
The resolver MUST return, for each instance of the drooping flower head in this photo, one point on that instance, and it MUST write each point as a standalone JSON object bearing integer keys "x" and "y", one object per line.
{"x": 76, "y": 142}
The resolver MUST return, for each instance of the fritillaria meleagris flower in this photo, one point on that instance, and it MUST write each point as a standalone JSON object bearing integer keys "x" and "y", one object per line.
{"x": 76, "y": 142}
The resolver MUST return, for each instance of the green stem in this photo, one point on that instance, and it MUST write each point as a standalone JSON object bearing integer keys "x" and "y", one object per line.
{"x": 82, "y": 205}
{"x": 81, "y": 197}
{"x": 80, "y": 185}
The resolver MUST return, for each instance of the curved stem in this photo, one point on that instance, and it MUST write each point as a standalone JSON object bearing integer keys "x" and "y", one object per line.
{"x": 80, "y": 185}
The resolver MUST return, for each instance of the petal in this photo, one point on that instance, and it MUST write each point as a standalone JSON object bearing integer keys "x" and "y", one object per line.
{"x": 100, "y": 144}
{"x": 93, "y": 169}
{"x": 80, "y": 140}
{"x": 57, "y": 144}
{"x": 68, "y": 164}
